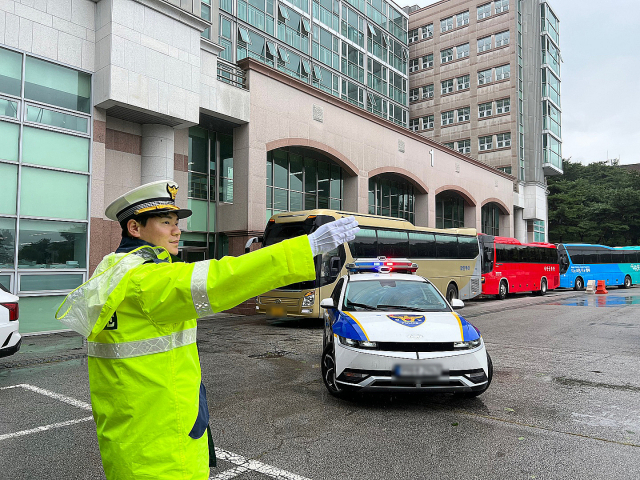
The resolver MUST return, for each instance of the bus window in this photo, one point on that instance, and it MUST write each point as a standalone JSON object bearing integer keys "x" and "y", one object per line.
{"x": 468, "y": 247}
{"x": 282, "y": 231}
{"x": 422, "y": 245}
{"x": 365, "y": 244}
{"x": 446, "y": 246}
{"x": 577, "y": 257}
{"x": 605, "y": 257}
{"x": 487, "y": 257}
{"x": 393, "y": 244}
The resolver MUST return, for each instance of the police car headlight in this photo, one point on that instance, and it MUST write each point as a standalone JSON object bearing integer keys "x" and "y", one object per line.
{"x": 357, "y": 343}
{"x": 467, "y": 345}
{"x": 309, "y": 299}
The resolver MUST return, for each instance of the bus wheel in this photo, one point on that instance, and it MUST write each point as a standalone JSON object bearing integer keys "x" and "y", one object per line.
{"x": 502, "y": 290}
{"x": 452, "y": 292}
{"x": 627, "y": 282}
{"x": 579, "y": 285}
{"x": 543, "y": 286}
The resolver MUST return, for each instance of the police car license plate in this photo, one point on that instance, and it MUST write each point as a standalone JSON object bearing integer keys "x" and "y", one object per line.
{"x": 428, "y": 370}
{"x": 276, "y": 311}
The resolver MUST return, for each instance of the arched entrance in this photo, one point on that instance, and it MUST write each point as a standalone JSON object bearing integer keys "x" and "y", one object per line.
{"x": 392, "y": 196}
{"x": 302, "y": 178}
{"x": 491, "y": 218}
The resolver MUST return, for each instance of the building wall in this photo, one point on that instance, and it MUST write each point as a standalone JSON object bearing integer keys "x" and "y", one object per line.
{"x": 285, "y": 112}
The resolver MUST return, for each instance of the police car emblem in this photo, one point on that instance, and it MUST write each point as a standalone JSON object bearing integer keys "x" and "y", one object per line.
{"x": 408, "y": 320}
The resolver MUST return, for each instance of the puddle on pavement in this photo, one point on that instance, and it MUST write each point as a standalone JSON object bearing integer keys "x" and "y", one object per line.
{"x": 592, "y": 300}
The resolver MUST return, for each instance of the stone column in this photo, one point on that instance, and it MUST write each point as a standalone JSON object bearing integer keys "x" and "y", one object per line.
{"x": 157, "y": 153}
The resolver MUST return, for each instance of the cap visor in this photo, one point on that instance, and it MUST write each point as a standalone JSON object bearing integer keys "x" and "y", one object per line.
{"x": 183, "y": 212}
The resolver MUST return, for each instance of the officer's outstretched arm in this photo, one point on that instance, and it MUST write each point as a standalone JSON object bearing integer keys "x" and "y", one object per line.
{"x": 169, "y": 293}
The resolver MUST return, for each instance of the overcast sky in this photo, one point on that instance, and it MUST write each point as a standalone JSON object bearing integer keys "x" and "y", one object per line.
{"x": 600, "y": 74}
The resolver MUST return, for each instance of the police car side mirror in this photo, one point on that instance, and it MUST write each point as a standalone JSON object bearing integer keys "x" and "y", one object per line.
{"x": 327, "y": 303}
{"x": 457, "y": 304}
{"x": 251, "y": 241}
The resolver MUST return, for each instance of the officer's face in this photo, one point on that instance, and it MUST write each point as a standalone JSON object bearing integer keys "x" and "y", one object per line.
{"x": 162, "y": 231}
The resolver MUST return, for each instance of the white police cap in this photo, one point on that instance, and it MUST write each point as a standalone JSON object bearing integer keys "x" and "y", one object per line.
{"x": 154, "y": 197}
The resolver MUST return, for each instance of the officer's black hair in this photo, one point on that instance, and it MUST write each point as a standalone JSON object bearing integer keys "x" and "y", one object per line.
{"x": 141, "y": 219}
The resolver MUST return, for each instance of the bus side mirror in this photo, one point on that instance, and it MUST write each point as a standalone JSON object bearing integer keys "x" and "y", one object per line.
{"x": 327, "y": 303}
{"x": 334, "y": 266}
{"x": 251, "y": 241}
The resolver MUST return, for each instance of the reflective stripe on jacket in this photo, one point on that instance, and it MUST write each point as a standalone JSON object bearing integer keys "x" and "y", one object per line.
{"x": 144, "y": 369}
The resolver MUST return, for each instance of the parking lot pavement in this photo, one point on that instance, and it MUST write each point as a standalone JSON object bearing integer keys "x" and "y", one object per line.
{"x": 563, "y": 402}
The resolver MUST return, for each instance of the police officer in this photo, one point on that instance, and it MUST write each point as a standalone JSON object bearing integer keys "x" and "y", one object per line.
{"x": 139, "y": 314}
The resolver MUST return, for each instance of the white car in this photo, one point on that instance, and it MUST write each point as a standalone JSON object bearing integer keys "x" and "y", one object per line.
{"x": 10, "y": 339}
{"x": 387, "y": 329}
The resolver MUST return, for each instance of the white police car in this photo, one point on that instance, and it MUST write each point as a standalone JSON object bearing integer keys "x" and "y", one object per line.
{"x": 387, "y": 329}
{"x": 10, "y": 339}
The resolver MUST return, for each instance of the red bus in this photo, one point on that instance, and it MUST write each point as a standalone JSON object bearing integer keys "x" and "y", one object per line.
{"x": 509, "y": 266}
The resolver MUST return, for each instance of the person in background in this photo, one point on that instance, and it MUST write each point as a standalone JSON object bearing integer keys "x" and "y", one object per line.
{"x": 139, "y": 313}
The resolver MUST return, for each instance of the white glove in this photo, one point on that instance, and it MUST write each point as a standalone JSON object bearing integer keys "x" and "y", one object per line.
{"x": 332, "y": 234}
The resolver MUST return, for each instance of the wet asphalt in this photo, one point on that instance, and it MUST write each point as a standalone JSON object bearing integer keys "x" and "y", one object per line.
{"x": 564, "y": 401}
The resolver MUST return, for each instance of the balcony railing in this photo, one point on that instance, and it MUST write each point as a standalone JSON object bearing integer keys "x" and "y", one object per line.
{"x": 232, "y": 75}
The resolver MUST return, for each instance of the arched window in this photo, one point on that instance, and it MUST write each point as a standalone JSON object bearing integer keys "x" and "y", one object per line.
{"x": 449, "y": 210}
{"x": 392, "y": 197}
{"x": 491, "y": 219}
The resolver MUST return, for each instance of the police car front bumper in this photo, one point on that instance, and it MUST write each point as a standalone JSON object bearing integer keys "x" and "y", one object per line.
{"x": 362, "y": 370}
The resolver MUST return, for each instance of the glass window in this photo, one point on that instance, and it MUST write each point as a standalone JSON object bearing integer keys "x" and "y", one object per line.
{"x": 446, "y": 246}
{"x": 502, "y": 6}
{"x": 503, "y": 72}
{"x": 463, "y": 82}
{"x": 8, "y": 108}
{"x": 414, "y": 93}
{"x": 422, "y": 245}
{"x": 464, "y": 146}
{"x": 35, "y": 283}
{"x": 53, "y": 149}
{"x": 484, "y": 44}
{"x": 414, "y": 65}
{"x": 447, "y": 117}
{"x": 484, "y": 110}
{"x": 10, "y": 72}
{"x": 463, "y": 114}
{"x": 503, "y": 106}
{"x": 365, "y": 244}
{"x": 226, "y": 168}
{"x": 485, "y": 77}
{"x": 7, "y": 242}
{"x": 446, "y": 86}
{"x": 9, "y": 176}
{"x": 5, "y": 281}
{"x": 47, "y": 193}
{"x": 427, "y": 122}
{"x": 393, "y": 244}
{"x": 503, "y": 140}
{"x": 446, "y": 24}
{"x": 446, "y": 55}
{"x": 427, "y": 91}
{"x": 462, "y": 19}
{"x": 427, "y": 31}
{"x": 484, "y": 11}
{"x": 462, "y": 51}
{"x": 57, "y": 119}
{"x": 485, "y": 143}
{"x": 47, "y": 244}
{"x": 427, "y": 61}
{"x": 57, "y": 85}
{"x": 9, "y": 134}
{"x": 502, "y": 38}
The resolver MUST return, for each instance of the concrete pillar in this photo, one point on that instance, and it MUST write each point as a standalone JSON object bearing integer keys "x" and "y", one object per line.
{"x": 355, "y": 194}
{"x": 157, "y": 153}
{"x": 421, "y": 209}
{"x": 471, "y": 216}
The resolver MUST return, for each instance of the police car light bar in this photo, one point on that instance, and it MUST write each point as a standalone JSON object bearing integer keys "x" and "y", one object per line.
{"x": 382, "y": 265}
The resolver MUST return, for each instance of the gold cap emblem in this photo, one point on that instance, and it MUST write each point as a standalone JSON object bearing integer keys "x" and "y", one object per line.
{"x": 173, "y": 191}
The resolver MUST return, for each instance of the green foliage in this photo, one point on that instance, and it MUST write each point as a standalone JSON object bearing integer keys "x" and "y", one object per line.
{"x": 595, "y": 203}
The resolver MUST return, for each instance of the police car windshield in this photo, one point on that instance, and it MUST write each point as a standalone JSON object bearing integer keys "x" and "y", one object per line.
{"x": 388, "y": 294}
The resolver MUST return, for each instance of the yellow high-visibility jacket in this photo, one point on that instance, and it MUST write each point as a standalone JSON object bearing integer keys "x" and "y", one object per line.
{"x": 139, "y": 317}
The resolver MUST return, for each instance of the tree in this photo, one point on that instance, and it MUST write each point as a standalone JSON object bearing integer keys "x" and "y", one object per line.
{"x": 595, "y": 203}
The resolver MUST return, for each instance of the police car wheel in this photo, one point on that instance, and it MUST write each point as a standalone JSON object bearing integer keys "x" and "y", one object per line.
{"x": 480, "y": 392}
{"x": 328, "y": 368}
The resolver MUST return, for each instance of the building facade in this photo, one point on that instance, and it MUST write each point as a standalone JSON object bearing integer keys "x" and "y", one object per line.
{"x": 97, "y": 98}
{"x": 484, "y": 80}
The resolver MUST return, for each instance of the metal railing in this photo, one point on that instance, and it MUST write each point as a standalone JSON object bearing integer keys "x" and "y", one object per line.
{"x": 232, "y": 75}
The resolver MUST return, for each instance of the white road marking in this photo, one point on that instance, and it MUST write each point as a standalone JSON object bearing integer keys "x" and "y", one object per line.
{"x": 44, "y": 428}
{"x": 56, "y": 396}
{"x": 230, "y": 473}
{"x": 256, "y": 466}
{"x": 243, "y": 464}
